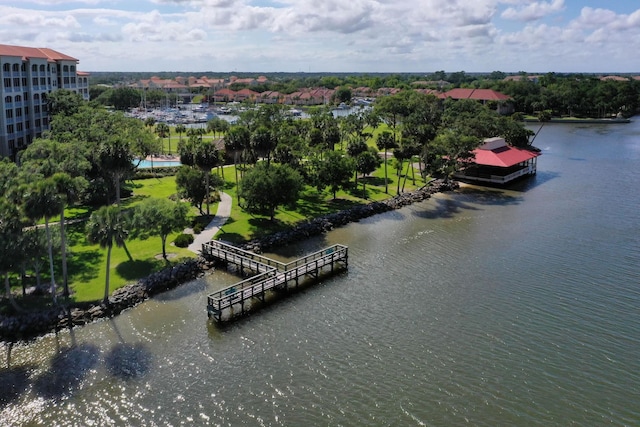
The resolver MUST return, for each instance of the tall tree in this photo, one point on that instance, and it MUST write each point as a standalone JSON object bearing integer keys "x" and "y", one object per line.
{"x": 107, "y": 227}
{"x": 160, "y": 217}
{"x": 265, "y": 188}
{"x": 42, "y": 200}
{"x": 367, "y": 162}
{"x": 180, "y": 129}
{"x": 10, "y": 231}
{"x": 448, "y": 152}
{"x": 191, "y": 185}
{"x": 333, "y": 171}
{"x": 164, "y": 131}
{"x": 385, "y": 141}
{"x": 66, "y": 165}
{"x": 207, "y": 157}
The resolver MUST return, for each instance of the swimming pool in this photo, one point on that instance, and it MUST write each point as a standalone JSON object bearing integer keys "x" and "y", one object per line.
{"x": 157, "y": 163}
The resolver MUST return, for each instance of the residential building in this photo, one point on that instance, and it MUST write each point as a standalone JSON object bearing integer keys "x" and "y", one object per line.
{"x": 28, "y": 76}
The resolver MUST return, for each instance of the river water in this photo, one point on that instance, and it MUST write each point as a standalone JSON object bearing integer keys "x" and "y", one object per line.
{"x": 485, "y": 307}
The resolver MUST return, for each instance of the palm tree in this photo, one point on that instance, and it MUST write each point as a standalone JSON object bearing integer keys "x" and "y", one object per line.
{"x": 180, "y": 129}
{"x": 42, "y": 200}
{"x": 69, "y": 190}
{"x": 206, "y": 158}
{"x": 107, "y": 226}
{"x": 385, "y": 141}
{"x": 10, "y": 230}
{"x": 164, "y": 131}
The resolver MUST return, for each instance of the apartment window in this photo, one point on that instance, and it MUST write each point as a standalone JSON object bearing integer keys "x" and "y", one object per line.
{"x": 23, "y": 67}
{"x": 26, "y": 111}
{"x": 7, "y": 82}
{"x": 36, "y": 109}
{"x": 48, "y": 80}
{"x": 38, "y": 123}
{"x": 66, "y": 80}
{"x": 73, "y": 80}
{"x": 9, "y": 129}
{"x": 20, "y": 141}
{"x": 18, "y": 112}
{"x": 45, "y": 121}
{"x": 36, "y": 97}
{"x": 8, "y": 113}
{"x": 19, "y": 127}
{"x": 34, "y": 68}
{"x": 34, "y": 81}
{"x": 8, "y": 100}
{"x": 27, "y": 124}
{"x": 73, "y": 68}
{"x": 24, "y": 81}
{"x": 43, "y": 81}
{"x": 12, "y": 144}
{"x": 42, "y": 68}
{"x": 16, "y": 82}
{"x": 18, "y": 98}
{"x": 6, "y": 68}
{"x": 65, "y": 69}
{"x": 16, "y": 67}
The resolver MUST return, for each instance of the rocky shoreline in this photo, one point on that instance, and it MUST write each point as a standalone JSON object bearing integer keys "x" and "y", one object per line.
{"x": 25, "y": 326}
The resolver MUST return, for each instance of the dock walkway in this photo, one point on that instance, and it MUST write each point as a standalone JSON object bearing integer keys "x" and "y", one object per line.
{"x": 269, "y": 274}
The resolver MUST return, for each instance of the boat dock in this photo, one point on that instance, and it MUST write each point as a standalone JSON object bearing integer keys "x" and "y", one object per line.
{"x": 269, "y": 275}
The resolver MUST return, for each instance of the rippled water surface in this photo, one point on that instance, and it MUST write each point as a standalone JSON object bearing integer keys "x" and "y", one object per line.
{"x": 482, "y": 307}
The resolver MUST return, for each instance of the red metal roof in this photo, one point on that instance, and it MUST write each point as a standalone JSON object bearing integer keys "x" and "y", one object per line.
{"x": 504, "y": 156}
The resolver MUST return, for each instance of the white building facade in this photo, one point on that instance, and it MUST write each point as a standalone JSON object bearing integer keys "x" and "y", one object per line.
{"x": 28, "y": 75}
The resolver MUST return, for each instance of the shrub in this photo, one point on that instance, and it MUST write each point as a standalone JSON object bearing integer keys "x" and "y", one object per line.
{"x": 183, "y": 240}
{"x": 198, "y": 227}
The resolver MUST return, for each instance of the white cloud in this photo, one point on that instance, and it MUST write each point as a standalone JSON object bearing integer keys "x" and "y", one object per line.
{"x": 534, "y": 11}
{"x": 347, "y": 35}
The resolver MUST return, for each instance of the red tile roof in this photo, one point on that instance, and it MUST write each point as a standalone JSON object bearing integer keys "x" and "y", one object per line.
{"x": 478, "y": 94}
{"x": 34, "y": 52}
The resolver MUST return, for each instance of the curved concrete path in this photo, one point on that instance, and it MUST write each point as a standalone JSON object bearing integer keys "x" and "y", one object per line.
{"x": 222, "y": 214}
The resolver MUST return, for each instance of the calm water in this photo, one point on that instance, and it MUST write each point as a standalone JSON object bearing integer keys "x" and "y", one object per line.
{"x": 484, "y": 307}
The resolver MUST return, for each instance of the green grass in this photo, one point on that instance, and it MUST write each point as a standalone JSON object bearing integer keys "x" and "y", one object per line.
{"x": 87, "y": 263}
{"x": 243, "y": 226}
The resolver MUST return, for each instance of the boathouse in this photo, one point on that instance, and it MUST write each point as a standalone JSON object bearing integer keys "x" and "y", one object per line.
{"x": 496, "y": 162}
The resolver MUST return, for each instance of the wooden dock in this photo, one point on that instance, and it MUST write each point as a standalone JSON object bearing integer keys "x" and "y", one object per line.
{"x": 269, "y": 275}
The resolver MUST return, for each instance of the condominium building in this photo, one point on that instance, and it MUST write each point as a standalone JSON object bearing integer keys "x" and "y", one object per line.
{"x": 28, "y": 76}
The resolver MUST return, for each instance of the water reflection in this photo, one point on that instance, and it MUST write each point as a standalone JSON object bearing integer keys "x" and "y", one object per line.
{"x": 67, "y": 370}
{"x": 127, "y": 361}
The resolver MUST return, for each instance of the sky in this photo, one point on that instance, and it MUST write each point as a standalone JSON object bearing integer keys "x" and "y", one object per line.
{"x": 369, "y": 36}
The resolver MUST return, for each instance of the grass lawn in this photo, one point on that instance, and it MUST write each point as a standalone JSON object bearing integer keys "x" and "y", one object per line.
{"x": 243, "y": 226}
{"x": 87, "y": 263}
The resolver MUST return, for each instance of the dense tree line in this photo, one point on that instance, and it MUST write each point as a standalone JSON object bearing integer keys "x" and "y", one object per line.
{"x": 85, "y": 158}
{"x": 89, "y": 153}
{"x": 581, "y": 95}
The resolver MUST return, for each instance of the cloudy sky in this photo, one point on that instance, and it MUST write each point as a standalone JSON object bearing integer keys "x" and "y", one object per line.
{"x": 332, "y": 35}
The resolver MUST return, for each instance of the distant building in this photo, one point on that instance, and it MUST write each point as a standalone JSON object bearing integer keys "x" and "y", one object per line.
{"x": 504, "y": 105}
{"x": 29, "y": 75}
{"x": 615, "y": 78}
{"x": 495, "y": 162}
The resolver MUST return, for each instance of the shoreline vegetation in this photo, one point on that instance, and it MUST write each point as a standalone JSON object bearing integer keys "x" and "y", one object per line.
{"x": 30, "y": 325}
{"x": 334, "y": 168}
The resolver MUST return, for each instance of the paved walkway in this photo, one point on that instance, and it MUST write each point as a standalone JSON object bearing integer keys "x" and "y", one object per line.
{"x": 223, "y": 213}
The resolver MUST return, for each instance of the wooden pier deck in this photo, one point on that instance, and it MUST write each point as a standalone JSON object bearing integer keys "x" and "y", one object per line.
{"x": 270, "y": 275}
